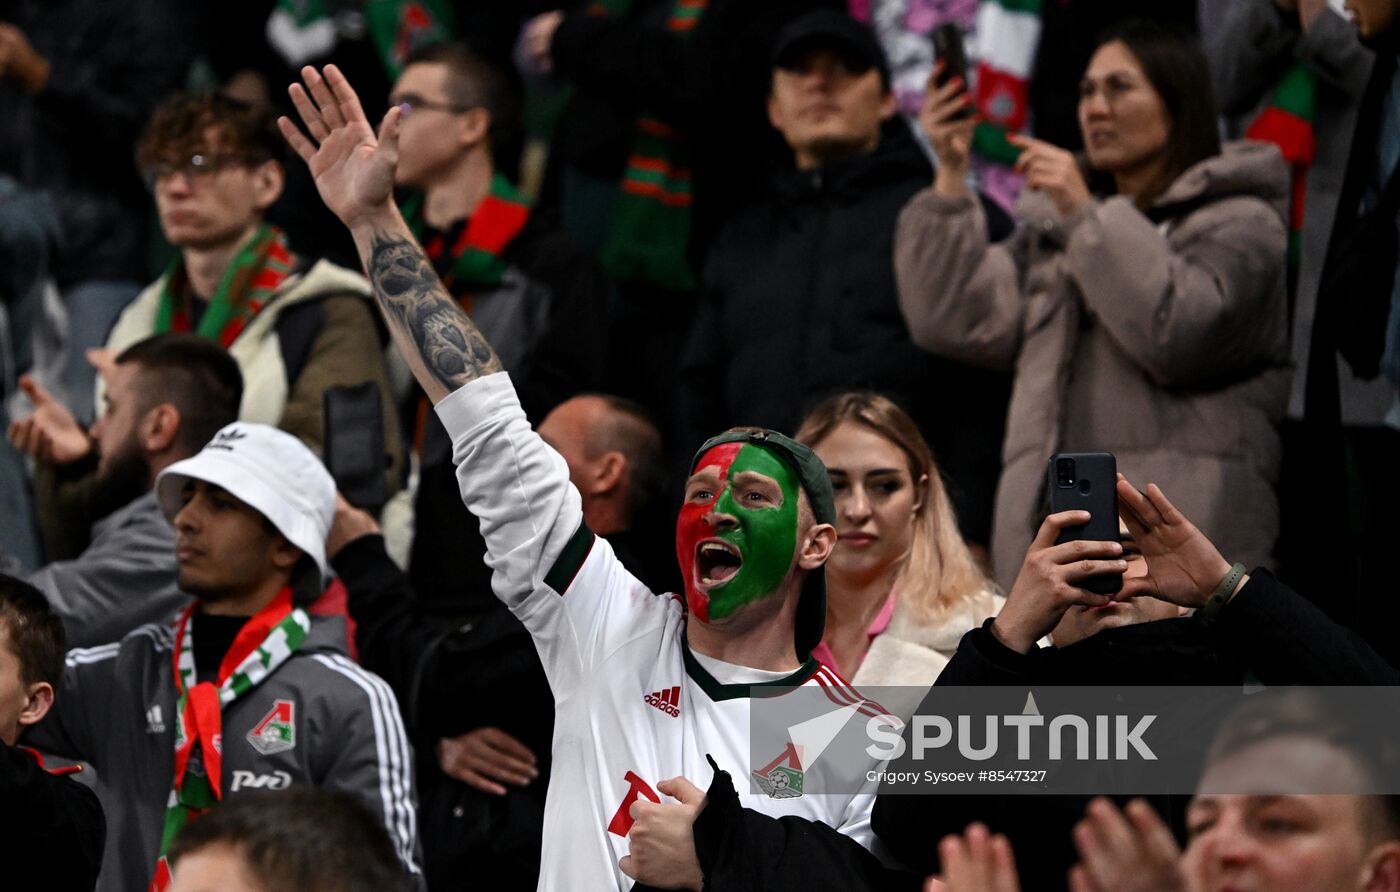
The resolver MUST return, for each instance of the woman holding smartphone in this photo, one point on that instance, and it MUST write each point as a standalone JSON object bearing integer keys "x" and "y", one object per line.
{"x": 1141, "y": 302}
{"x": 902, "y": 585}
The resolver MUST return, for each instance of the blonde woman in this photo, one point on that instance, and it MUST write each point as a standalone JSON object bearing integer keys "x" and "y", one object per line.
{"x": 902, "y": 586}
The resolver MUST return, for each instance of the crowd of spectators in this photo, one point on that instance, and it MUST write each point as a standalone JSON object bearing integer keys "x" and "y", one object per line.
{"x": 360, "y": 429}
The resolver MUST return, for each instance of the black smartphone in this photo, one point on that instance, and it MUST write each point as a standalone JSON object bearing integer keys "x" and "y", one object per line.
{"x": 948, "y": 48}
{"x": 1087, "y": 481}
{"x": 354, "y": 444}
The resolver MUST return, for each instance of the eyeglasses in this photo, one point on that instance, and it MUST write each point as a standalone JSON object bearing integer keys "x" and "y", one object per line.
{"x": 196, "y": 167}
{"x": 409, "y": 103}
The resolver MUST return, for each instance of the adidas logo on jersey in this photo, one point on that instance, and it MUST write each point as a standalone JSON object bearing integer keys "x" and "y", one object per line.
{"x": 668, "y": 701}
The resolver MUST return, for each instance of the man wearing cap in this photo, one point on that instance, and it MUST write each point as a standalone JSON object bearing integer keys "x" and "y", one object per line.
{"x": 242, "y": 689}
{"x": 651, "y": 691}
{"x": 799, "y": 297}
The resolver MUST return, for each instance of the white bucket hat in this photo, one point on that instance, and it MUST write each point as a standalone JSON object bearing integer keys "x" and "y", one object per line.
{"x": 269, "y": 470}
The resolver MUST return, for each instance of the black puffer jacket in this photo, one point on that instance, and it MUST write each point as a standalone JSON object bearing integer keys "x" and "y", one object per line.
{"x": 799, "y": 302}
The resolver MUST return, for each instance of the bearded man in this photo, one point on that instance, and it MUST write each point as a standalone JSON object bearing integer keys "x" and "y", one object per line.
{"x": 166, "y": 396}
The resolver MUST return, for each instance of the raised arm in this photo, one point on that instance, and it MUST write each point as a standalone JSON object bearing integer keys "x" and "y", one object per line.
{"x": 354, "y": 172}
{"x": 516, "y": 485}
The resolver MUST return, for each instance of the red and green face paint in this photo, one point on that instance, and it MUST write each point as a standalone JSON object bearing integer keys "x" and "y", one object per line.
{"x": 737, "y": 531}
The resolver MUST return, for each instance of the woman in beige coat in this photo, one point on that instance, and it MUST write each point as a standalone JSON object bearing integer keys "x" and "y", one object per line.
{"x": 1141, "y": 302}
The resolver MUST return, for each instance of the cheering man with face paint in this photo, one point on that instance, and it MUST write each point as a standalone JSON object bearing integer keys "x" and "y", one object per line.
{"x": 650, "y": 695}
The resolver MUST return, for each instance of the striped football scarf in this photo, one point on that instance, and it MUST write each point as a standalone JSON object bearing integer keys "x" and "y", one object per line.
{"x": 649, "y": 236}
{"x": 264, "y": 643}
{"x": 250, "y": 282}
{"x": 474, "y": 258}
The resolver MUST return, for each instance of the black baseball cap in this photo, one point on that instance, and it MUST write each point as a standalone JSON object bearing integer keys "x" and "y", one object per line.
{"x": 833, "y": 30}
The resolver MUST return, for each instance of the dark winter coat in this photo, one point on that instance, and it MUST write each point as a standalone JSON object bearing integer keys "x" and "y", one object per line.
{"x": 799, "y": 302}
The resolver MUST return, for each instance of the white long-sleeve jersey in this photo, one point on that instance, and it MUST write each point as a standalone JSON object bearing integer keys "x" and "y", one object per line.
{"x": 633, "y": 706}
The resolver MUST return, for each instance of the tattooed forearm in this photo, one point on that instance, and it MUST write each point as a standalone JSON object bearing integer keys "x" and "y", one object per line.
{"x": 452, "y": 351}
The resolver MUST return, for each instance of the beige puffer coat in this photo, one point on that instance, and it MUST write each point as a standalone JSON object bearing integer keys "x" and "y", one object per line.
{"x": 1165, "y": 344}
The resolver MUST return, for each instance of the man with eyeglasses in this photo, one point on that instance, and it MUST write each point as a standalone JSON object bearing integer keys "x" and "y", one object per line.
{"x": 297, "y": 327}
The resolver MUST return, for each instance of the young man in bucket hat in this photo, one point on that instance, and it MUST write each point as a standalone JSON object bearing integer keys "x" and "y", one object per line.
{"x": 651, "y": 691}
{"x": 242, "y": 689}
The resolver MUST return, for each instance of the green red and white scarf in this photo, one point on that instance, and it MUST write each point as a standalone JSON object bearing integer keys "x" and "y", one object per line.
{"x": 302, "y": 30}
{"x": 251, "y": 280}
{"x": 1009, "y": 33}
{"x": 475, "y": 255}
{"x": 1288, "y": 123}
{"x": 264, "y": 643}
{"x": 649, "y": 235}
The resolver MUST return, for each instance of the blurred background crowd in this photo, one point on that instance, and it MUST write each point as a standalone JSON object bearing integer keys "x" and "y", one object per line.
{"x": 1165, "y": 230}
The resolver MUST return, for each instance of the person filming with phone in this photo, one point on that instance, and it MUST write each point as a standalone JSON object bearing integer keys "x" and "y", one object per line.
{"x": 1148, "y": 273}
{"x": 1243, "y": 625}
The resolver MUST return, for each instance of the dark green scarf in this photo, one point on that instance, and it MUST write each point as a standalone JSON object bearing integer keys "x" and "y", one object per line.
{"x": 649, "y": 234}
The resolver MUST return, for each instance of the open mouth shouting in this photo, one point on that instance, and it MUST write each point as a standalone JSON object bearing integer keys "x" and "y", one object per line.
{"x": 716, "y": 562}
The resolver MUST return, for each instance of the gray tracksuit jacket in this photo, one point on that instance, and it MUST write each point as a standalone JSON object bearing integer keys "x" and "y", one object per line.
{"x": 116, "y": 709}
{"x": 124, "y": 579}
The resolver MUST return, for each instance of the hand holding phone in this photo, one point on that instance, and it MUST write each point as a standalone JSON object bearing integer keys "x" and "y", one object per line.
{"x": 946, "y": 115}
{"x": 950, "y": 57}
{"x": 1087, "y": 481}
{"x": 1052, "y": 580}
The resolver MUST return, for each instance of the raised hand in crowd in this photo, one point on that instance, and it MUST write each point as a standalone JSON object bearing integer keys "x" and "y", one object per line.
{"x": 662, "y": 843}
{"x": 51, "y": 435}
{"x": 1052, "y": 170}
{"x": 1183, "y": 566}
{"x": 1047, "y": 585}
{"x": 488, "y": 759}
{"x": 19, "y": 61}
{"x": 348, "y": 524}
{"x": 1126, "y": 851}
{"x": 353, "y": 167}
{"x": 103, "y": 359}
{"x": 977, "y": 861}
{"x": 949, "y": 131}
{"x": 354, "y": 173}
{"x": 538, "y": 39}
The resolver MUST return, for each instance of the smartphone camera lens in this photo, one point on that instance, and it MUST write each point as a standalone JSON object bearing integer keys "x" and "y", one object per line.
{"x": 1064, "y": 472}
